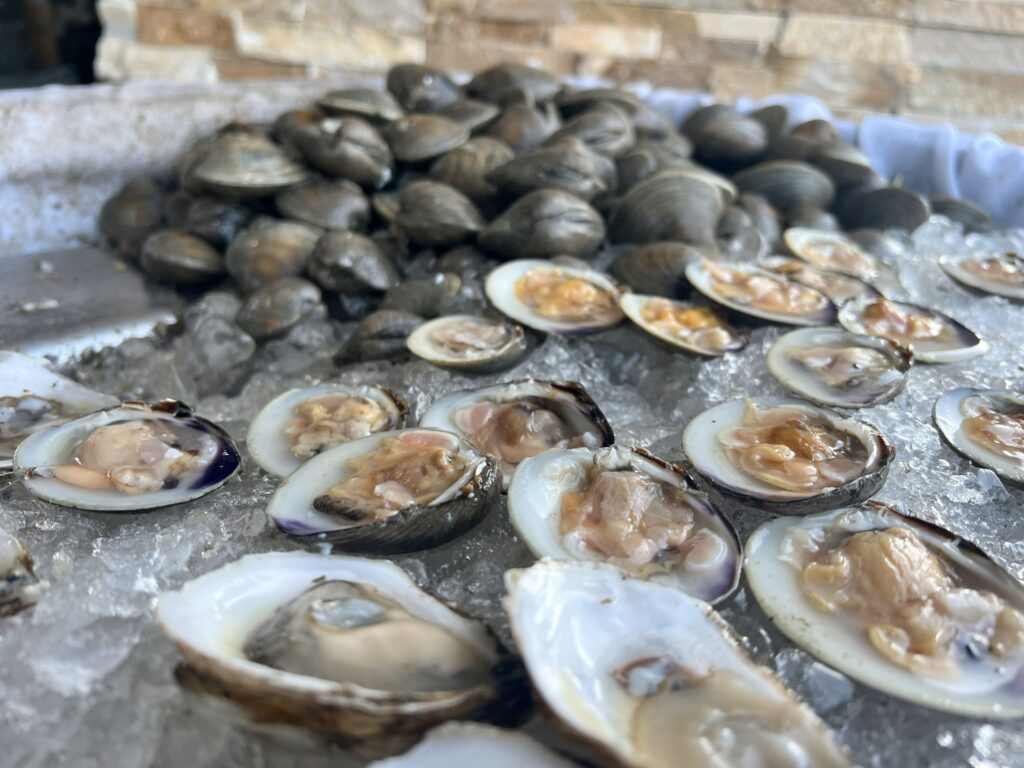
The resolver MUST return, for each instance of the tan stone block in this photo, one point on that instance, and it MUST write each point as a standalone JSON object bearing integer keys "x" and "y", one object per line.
{"x": 855, "y": 84}
{"x": 969, "y": 14}
{"x": 392, "y": 15}
{"x": 467, "y": 58}
{"x": 118, "y": 18}
{"x": 951, "y": 91}
{"x": 256, "y": 69}
{"x": 845, "y": 39}
{"x": 748, "y": 27}
{"x": 553, "y": 11}
{"x": 700, "y": 50}
{"x": 759, "y": 6}
{"x": 727, "y": 83}
{"x": 659, "y": 73}
{"x": 457, "y": 29}
{"x": 636, "y": 16}
{"x": 607, "y": 39}
{"x": 358, "y": 49}
{"x": 883, "y": 9}
{"x": 118, "y": 59}
{"x": 182, "y": 26}
{"x": 968, "y": 50}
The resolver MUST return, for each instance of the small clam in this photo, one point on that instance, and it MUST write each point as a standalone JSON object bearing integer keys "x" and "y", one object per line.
{"x": 369, "y": 103}
{"x": 378, "y": 336}
{"x": 179, "y": 258}
{"x": 278, "y": 307}
{"x": 566, "y": 165}
{"x": 818, "y": 130}
{"x": 703, "y": 117}
{"x": 762, "y": 215}
{"x": 523, "y": 126}
{"x": 347, "y": 147}
{"x": 351, "y": 263}
{"x": 604, "y": 128}
{"x": 19, "y": 586}
{"x": 885, "y": 208}
{"x": 846, "y": 165}
{"x": 415, "y": 138}
{"x": 667, "y": 206}
{"x": 326, "y": 204}
{"x": 731, "y": 142}
{"x": 1000, "y": 274}
{"x": 787, "y": 184}
{"x": 241, "y": 163}
{"x": 838, "y": 287}
{"x": 420, "y": 88}
{"x": 424, "y": 296}
{"x": 466, "y": 260}
{"x": 773, "y": 118}
{"x": 810, "y": 217}
{"x": 984, "y": 425}
{"x": 648, "y": 157}
{"x": 655, "y": 268}
{"x": 472, "y": 114}
{"x": 973, "y": 217}
{"x": 468, "y": 344}
{"x": 680, "y": 325}
{"x": 493, "y": 83}
{"x": 269, "y": 249}
{"x": 545, "y": 223}
{"x": 217, "y": 221}
{"x": 467, "y": 168}
{"x": 435, "y": 214}
{"x": 130, "y": 216}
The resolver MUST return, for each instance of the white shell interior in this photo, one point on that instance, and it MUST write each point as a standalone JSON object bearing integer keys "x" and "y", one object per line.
{"x": 985, "y": 690}
{"x": 534, "y": 506}
{"x": 697, "y": 274}
{"x": 953, "y": 265}
{"x": 633, "y": 304}
{"x": 796, "y": 377}
{"x": 291, "y": 507}
{"x": 472, "y": 745}
{"x": 797, "y": 238}
{"x": 949, "y": 419}
{"x": 422, "y": 344}
{"x": 270, "y": 447}
{"x": 709, "y": 457}
{"x": 211, "y": 618}
{"x": 501, "y": 290}
{"x": 54, "y": 446}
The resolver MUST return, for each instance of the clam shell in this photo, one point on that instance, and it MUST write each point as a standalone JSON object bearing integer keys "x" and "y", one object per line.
{"x": 949, "y": 420}
{"x": 469, "y": 168}
{"x": 633, "y": 303}
{"x": 419, "y": 88}
{"x": 667, "y": 206}
{"x": 973, "y": 217}
{"x": 348, "y": 262}
{"x": 544, "y": 223}
{"x": 493, "y": 83}
{"x": 435, "y": 214}
{"x": 421, "y": 344}
{"x": 371, "y": 103}
{"x": 787, "y": 184}
{"x": 417, "y": 137}
{"x": 326, "y": 204}
{"x": 656, "y": 268}
{"x": 885, "y": 208}
{"x": 245, "y": 164}
{"x": 604, "y": 128}
{"x": 424, "y": 296}
{"x": 567, "y": 165}
{"x": 268, "y": 250}
{"x": 178, "y": 258}
{"x": 278, "y": 307}
{"x": 472, "y": 114}
{"x": 349, "y": 148}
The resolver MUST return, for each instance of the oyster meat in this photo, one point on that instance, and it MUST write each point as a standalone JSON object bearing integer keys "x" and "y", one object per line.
{"x": 986, "y": 426}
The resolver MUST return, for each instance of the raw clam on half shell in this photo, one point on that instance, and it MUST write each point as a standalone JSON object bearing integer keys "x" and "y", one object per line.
{"x": 986, "y": 426}
{"x": 682, "y": 325}
{"x": 1001, "y": 274}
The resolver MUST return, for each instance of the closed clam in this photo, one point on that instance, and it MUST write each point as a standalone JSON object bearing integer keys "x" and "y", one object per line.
{"x": 524, "y": 126}
{"x": 649, "y": 156}
{"x": 811, "y": 217}
{"x": 350, "y": 263}
{"x": 467, "y": 168}
{"x": 420, "y": 88}
{"x": 667, "y": 206}
{"x": 278, "y": 307}
{"x": 347, "y": 147}
{"x": 846, "y": 165}
{"x": 731, "y": 142}
{"x": 493, "y": 83}
{"x": 655, "y": 268}
{"x": 425, "y": 296}
{"x": 545, "y": 223}
{"x": 215, "y": 220}
{"x": 379, "y": 336}
{"x": 604, "y": 128}
{"x": 762, "y": 215}
{"x": 773, "y": 118}
{"x": 886, "y": 208}
{"x": 269, "y": 249}
{"x": 418, "y": 137}
{"x": 818, "y": 130}
{"x": 179, "y": 258}
{"x": 566, "y": 165}
{"x": 473, "y": 114}
{"x": 435, "y": 214}
{"x": 130, "y": 216}
{"x": 326, "y": 204}
{"x": 243, "y": 163}
{"x": 787, "y": 184}
{"x": 973, "y": 217}
{"x": 368, "y": 103}
{"x": 702, "y": 117}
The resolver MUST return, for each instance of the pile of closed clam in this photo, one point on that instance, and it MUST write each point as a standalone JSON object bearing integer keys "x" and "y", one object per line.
{"x": 462, "y": 225}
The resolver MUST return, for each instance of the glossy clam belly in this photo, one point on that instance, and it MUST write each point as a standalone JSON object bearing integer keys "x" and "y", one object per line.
{"x": 980, "y": 683}
{"x": 971, "y": 431}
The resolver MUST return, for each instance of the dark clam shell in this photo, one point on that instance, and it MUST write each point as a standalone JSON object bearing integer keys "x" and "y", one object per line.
{"x": 470, "y": 113}
{"x": 435, "y": 214}
{"x": 326, "y": 204}
{"x": 667, "y": 206}
{"x": 604, "y": 128}
{"x": 524, "y": 127}
{"x": 787, "y": 184}
{"x": 468, "y": 168}
{"x": 703, "y": 117}
{"x": 349, "y": 148}
{"x": 648, "y": 157}
{"x": 278, "y": 307}
{"x": 773, "y": 118}
{"x": 426, "y": 296}
{"x": 567, "y": 165}
{"x": 657, "y": 269}
{"x": 885, "y": 208}
{"x": 217, "y": 221}
{"x": 545, "y": 223}
{"x": 369, "y": 103}
{"x": 351, "y": 263}
{"x": 179, "y": 258}
{"x": 812, "y": 218}
{"x": 130, "y": 216}
{"x": 731, "y": 142}
{"x": 762, "y": 215}
{"x": 379, "y": 336}
{"x": 420, "y": 88}
{"x": 418, "y": 137}
{"x": 269, "y": 249}
{"x": 971, "y": 216}
{"x": 493, "y": 83}
{"x": 242, "y": 163}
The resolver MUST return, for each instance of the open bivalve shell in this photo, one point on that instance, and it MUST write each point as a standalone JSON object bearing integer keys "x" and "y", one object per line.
{"x": 301, "y": 423}
{"x": 133, "y": 457}
{"x": 838, "y": 287}
{"x": 390, "y": 492}
{"x": 830, "y": 366}
{"x": 519, "y": 419}
{"x": 629, "y": 508}
{"x": 1001, "y": 274}
{"x": 786, "y": 455}
{"x": 931, "y": 336}
{"x": 471, "y": 745}
{"x": 346, "y": 647}
{"x": 835, "y": 252}
{"x": 898, "y": 604}
{"x": 468, "y": 343}
{"x": 756, "y": 293}
{"x": 986, "y": 426}
{"x": 554, "y": 298}
{"x": 33, "y": 396}
{"x": 683, "y": 325}
{"x": 649, "y": 676}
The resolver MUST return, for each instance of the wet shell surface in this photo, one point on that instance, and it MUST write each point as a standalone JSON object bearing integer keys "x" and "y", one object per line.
{"x": 931, "y": 336}
{"x": 129, "y": 458}
{"x": 782, "y": 565}
{"x": 301, "y": 423}
{"x": 683, "y": 325}
{"x": 314, "y": 505}
{"x": 468, "y": 343}
{"x": 1001, "y": 274}
{"x": 986, "y": 426}
{"x": 645, "y": 673}
{"x": 838, "y": 287}
{"x": 215, "y": 621}
{"x": 747, "y": 450}
{"x": 830, "y": 366}
{"x": 751, "y": 291}
{"x": 554, "y": 298}
{"x": 671, "y": 534}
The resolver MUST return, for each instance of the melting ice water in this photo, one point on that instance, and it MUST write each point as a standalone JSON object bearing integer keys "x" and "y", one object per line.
{"x": 86, "y": 679}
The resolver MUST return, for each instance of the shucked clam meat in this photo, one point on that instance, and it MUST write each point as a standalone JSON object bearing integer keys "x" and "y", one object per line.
{"x": 986, "y": 426}
{"x": 838, "y": 287}
{"x": 653, "y": 678}
{"x": 301, "y": 423}
{"x": 752, "y": 291}
{"x": 133, "y": 457}
{"x": 345, "y": 647}
{"x": 393, "y": 491}
{"x": 629, "y": 508}
{"x": 1001, "y": 274}
{"x": 468, "y": 343}
{"x": 520, "y": 419}
{"x": 834, "y": 367}
{"x": 786, "y": 455}
{"x": 554, "y": 298}
{"x": 900, "y": 605}
{"x": 930, "y": 335}
{"x": 690, "y": 327}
